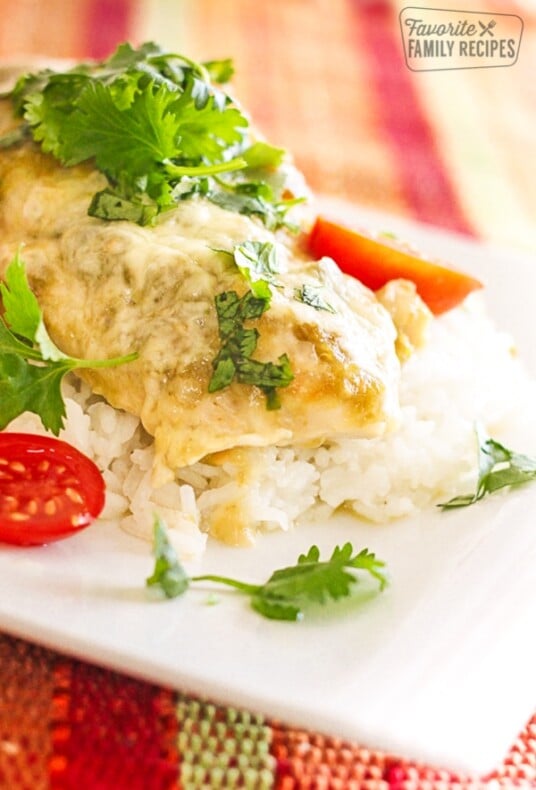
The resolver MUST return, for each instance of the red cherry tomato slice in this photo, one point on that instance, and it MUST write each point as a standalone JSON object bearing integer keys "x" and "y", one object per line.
{"x": 48, "y": 489}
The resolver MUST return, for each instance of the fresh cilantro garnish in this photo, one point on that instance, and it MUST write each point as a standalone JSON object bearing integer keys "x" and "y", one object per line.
{"x": 31, "y": 365}
{"x": 264, "y": 155}
{"x": 143, "y": 135}
{"x": 150, "y": 120}
{"x": 219, "y": 70}
{"x": 289, "y": 591}
{"x": 110, "y": 205}
{"x": 312, "y": 295}
{"x": 259, "y": 264}
{"x": 253, "y": 198}
{"x": 238, "y": 344}
{"x": 168, "y": 573}
{"x": 498, "y": 468}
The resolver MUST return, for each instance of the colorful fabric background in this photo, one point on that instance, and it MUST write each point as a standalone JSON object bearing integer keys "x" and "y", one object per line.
{"x": 455, "y": 149}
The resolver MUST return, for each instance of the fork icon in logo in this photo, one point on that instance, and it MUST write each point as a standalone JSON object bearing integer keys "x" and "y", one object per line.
{"x": 487, "y": 28}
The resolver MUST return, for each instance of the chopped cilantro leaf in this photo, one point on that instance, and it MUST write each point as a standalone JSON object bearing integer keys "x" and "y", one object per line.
{"x": 233, "y": 360}
{"x": 254, "y": 199}
{"x": 168, "y": 573}
{"x": 311, "y": 295}
{"x": 259, "y": 264}
{"x": 498, "y": 467}
{"x": 108, "y": 205}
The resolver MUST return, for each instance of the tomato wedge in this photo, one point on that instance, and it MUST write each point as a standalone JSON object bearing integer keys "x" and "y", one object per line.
{"x": 374, "y": 264}
{"x": 48, "y": 489}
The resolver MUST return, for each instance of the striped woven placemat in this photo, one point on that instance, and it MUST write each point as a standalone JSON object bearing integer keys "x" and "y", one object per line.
{"x": 67, "y": 725}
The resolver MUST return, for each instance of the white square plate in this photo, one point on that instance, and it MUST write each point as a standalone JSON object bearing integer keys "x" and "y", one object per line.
{"x": 439, "y": 668}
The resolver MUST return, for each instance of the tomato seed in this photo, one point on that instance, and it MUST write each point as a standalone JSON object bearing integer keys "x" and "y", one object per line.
{"x": 17, "y": 466}
{"x": 4, "y": 462}
{"x": 18, "y": 516}
{"x": 74, "y": 496}
{"x": 50, "y": 507}
{"x": 43, "y": 466}
{"x": 9, "y": 502}
{"x": 31, "y": 507}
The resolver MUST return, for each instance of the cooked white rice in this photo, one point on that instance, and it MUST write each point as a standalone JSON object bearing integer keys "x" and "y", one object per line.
{"x": 466, "y": 373}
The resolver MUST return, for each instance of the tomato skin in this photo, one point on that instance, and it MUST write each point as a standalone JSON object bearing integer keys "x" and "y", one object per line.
{"x": 49, "y": 490}
{"x": 374, "y": 264}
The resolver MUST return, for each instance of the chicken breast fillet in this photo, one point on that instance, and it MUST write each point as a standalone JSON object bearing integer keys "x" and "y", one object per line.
{"x": 110, "y": 288}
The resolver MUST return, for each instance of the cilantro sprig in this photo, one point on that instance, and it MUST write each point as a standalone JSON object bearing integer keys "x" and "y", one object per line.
{"x": 159, "y": 127}
{"x": 32, "y": 367}
{"x": 498, "y": 467}
{"x": 289, "y": 591}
